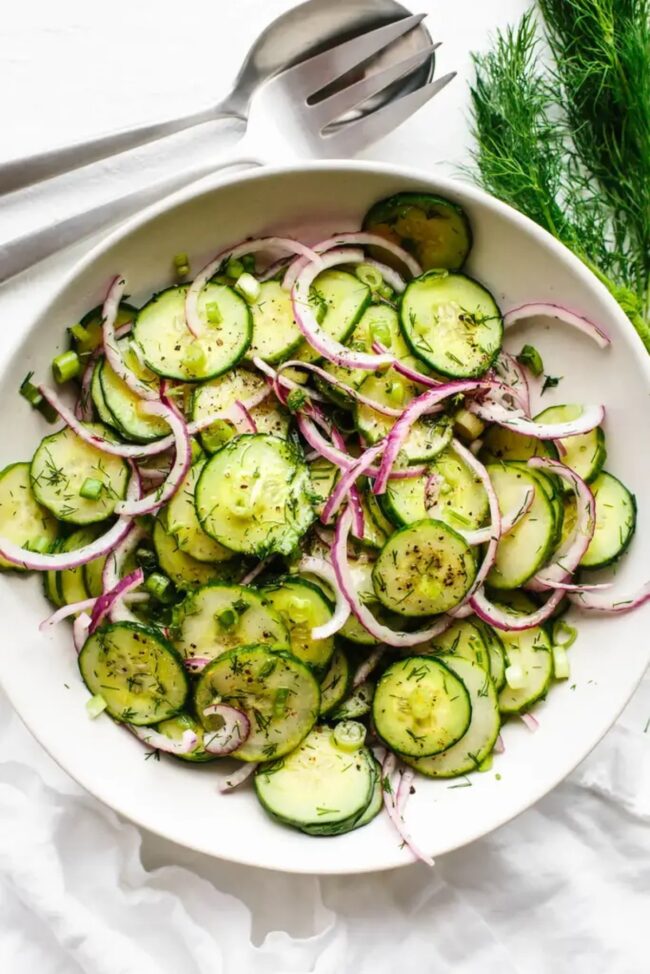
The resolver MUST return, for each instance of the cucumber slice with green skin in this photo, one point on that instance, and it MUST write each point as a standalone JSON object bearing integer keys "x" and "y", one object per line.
{"x": 126, "y": 406}
{"x": 72, "y": 581}
{"x": 434, "y": 230}
{"x": 184, "y": 571}
{"x": 615, "y": 521}
{"x": 452, "y": 323}
{"x": 136, "y": 670}
{"x": 253, "y": 496}
{"x": 93, "y": 322}
{"x": 279, "y": 695}
{"x": 376, "y": 512}
{"x": 171, "y": 350}
{"x": 182, "y": 522}
{"x": 463, "y": 639}
{"x": 217, "y": 618}
{"x": 344, "y": 299}
{"x": 93, "y": 575}
{"x": 501, "y": 444}
{"x": 61, "y": 465}
{"x": 524, "y": 549}
{"x": 22, "y": 519}
{"x": 175, "y": 727}
{"x": 420, "y": 707}
{"x": 531, "y": 651}
{"x": 51, "y": 581}
{"x": 276, "y": 335}
{"x": 97, "y": 396}
{"x": 357, "y": 704}
{"x": 301, "y": 606}
{"x": 551, "y": 486}
{"x": 317, "y": 786}
{"x": 379, "y": 322}
{"x": 373, "y": 536}
{"x": 427, "y": 437}
{"x": 216, "y": 396}
{"x": 480, "y": 737}
{"x": 586, "y": 453}
{"x": 459, "y": 498}
{"x": 271, "y": 418}
{"x": 423, "y": 569}
{"x": 336, "y": 682}
{"x": 353, "y": 630}
{"x": 494, "y": 645}
{"x": 322, "y": 477}
{"x": 376, "y": 803}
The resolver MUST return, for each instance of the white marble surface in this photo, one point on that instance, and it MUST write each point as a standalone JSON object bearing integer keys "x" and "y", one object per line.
{"x": 564, "y": 888}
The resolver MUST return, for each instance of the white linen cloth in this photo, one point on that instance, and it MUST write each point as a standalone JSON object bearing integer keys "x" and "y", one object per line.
{"x": 564, "y": 888}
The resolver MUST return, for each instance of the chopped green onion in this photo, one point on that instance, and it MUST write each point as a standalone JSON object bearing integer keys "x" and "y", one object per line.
{"x": 181, "y": 265}
{"x": 96, "y": 706}
{"x": 66, "y": 366}
{"x": 194, "y": 357}
{"x": 564, "y": 635}
{"x": 486, "y": 764}
{"x": 386, "y": 292}
{"x": 248, "y": 286}
{"x": 79, "y": 333}
{"x": 380, "y": 332}
{"x": 349, "y": 735}
{"x": 515, "y": 677}
{"x": 40, "y": 546}
{"x": 29, "y": 392}
{"x": 280, "y": 701}
{"x": 213, "y": 313}
{"x": 197, "y": 451}
{"x": 296, "y": 400}
{"x": 561, "y": 668}
{"x": 530, "y": 357}
{"x": 467, "y": 425}
{"x": 91, "y": 489}
{"x": 159, "y": 586}
{"x": 227, "y": 618}
{"x": 248, "y": 263}
{"x": 146, "y": 559}
{"x": 369, "y": 275}
{"x": 235, "y": 268}
{"x": 464, "y": 521}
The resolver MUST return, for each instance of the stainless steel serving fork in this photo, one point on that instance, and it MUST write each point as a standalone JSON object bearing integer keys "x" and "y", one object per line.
{"x": 292, "y": 117}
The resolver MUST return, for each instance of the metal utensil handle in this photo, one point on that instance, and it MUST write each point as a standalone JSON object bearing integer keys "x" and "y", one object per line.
{"x": 20, "y": 173}
{"x": 18, "y": 254}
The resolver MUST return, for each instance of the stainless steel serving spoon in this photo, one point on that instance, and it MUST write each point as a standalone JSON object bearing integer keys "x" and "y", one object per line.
{"x": 296, "y": 35}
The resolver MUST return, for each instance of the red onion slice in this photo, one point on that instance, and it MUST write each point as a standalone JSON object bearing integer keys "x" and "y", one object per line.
{"x": 238, "y": 777}
{"x": 83, "y": 409}
{"x": 357, "y": 239}
{"x": 80, "y": 631}
{"x": 347, "y": 481}
{"x": 257, "y": 570}
{"x": 323, "y": 570}
{"x": 546, "y": 309}
{"x": 406, "y": 779}
{"x": 192, "y": 317}
{"x": 160, "y": 742}
{"x": 368, "y": 666}
{"x": 419, "y": 406}
{"x": 593, "y": 602}
{"x": 567, "y": 557}
{"x": 493, "y": 412}
{"x": 306, "y": 319}
{"x": 247, "y": 420}
{"x": 512, "y": 374}
{"x": 499, "y": 746}
{"x": 531, "y": 722}
{"x": 390, "y": 804}
{"x": 65, "y": 612}
{"x": 105, "y": 602}
{"x": 111, "y": 348}
{"x": 407, "y": 371}
{"x": 501, "y": 618}
{"x": 234, "y": 731}
{"x": 349, "y": 390}
{"x": 345, "y": 584}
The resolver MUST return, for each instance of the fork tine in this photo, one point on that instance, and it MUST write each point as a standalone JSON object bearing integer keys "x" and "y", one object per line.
{"x": 310, "y": 76}
{"x": 354, "y": 136}
{"x": 328, "y": 110}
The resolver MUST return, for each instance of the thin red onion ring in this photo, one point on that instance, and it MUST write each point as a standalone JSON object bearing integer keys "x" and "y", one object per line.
{"x": 512, "y": 374}
{"x": 107, "y": 600}
{"x": 160, "y": 742}
{"x": 406, "y": 779}
{"x": 349, "y": 390}
{"x": 368, "y": 666}
{"x": 531, "y": 722}
{"x": 351, "y": 238}
{"x": 508, "y": 521}
{"x": 322, "y": 569}
{"x": 111, "y": 348}
{"x": 238, "y": 777}
{"x": 593, "y": 602}
{"x": 249, "y": 422}
{"x": 407, "y": 371}
{"x": 493, "y": 412}
{"x": 547, "y": 309}
{"x": 65, "y": 612}
{"x": 390, "y": 804}
{"x": 347, "y": 481}
{"x": 231, "y": 735}
{"x": 80, "y": 630}
{"x": 113, "y": 569}
{"x": 501, "y": 618}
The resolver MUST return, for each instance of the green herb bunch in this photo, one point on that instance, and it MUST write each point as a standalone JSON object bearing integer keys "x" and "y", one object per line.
{"x": 568, "y": 142}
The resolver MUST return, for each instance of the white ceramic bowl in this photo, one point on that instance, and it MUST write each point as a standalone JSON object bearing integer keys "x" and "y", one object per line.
{"x": 518, "y": 262}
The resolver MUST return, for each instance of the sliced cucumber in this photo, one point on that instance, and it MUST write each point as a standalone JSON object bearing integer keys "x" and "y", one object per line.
{"x": 344, "y": 299}
{"x": 428, "y": 436}
{"x": 585, "y": 453}
{"x": 301, "y": 606}
{"x": 185, "y": 572}
{"x": 336, "y": 682}
{"x": 127, "y": 407}
{"x": 92, "y": 323}
{"x": 615, "y": 521}
{"x": 480, "y": 737}
{"x": 465, "y": 640}
{"x": 361, "y": 570}
{"x": 420, "y": 707}
{"x": 357, "y": 704}
{"x": 137, "y": 672}
{"x": 72, "y": 581}
{"x": 22, "y": 519}
{"x": 493, "y": 642}
{"x": 524, "y": 549}
{"x": 217, "y": 396}
{"x": 458, "y": 498}
{"x": 218, "y": 617}
{"x": 61, "y": 465}
{"x": 423, "y": 569}
{"x": 253, "y": 496}
{"x": 175, "y": 727}
{"x": 97, "y": 396}
{"x": 269, "y": 417}
{"x": 171, "y": 350}
{"x": 184, "y": 524}
{"x": 93, "y": 574}
{"x": 376, "y": 512}
{"x": 322, "y": 477}
{"x": 254, "y": 679}
{"x": 317, "y": 786}
{"x": 530, "y": 652}
{"x": 376, "y": 802}
{"x": 500, "y": 444}
{"x": 276, "y": 335}
{"x": 373, "y": 535}
{"x": 452, "y": 323}
{"x": 434, "y": 230}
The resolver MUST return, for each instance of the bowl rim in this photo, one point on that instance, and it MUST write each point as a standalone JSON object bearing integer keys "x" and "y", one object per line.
{"x": 391, "y": 858}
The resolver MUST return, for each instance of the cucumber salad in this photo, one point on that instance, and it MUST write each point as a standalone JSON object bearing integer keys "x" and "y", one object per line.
{"x": 302, "y": 514}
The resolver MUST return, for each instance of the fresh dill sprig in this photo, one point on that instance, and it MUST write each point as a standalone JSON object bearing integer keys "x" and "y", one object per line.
{"x": 531, "y": 151}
